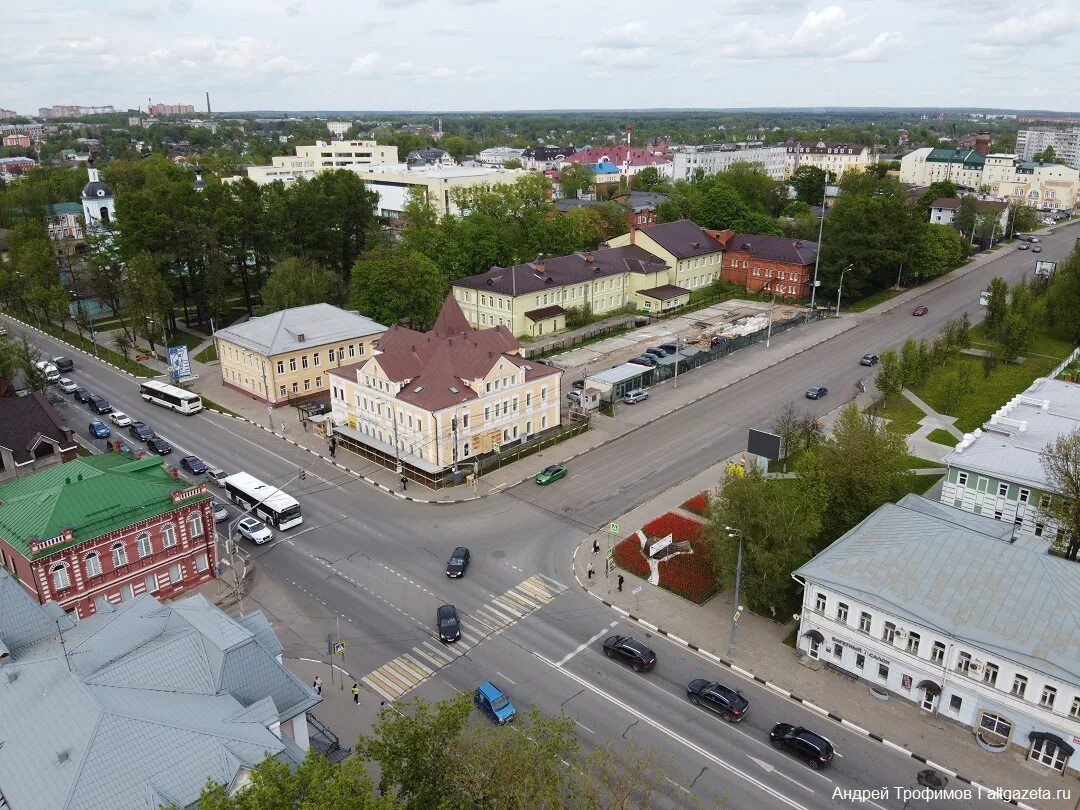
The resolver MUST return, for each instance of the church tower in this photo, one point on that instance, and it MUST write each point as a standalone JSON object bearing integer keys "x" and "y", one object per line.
{"x": 98, "y": 202}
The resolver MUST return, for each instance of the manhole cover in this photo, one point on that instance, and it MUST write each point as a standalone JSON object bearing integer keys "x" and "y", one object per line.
{"x": 932, "y": 779}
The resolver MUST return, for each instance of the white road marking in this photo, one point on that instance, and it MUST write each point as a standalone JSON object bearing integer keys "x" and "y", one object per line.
{"x": 505, "y": 678}
{"x": 579, "y": 723}
{"x": 676, "y": 784}
{"x": 768, "y": 767}
{"x": 584, "y": 644}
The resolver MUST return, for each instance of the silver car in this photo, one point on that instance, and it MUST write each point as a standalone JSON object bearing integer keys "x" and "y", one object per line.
{"x": 635, "y": 396}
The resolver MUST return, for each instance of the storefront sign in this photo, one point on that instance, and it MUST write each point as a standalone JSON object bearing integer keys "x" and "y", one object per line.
{"x": 847, "y": 644}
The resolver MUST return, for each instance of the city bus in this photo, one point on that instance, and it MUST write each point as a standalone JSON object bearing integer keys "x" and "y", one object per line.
{"x": 169, "y": 396}
{"x": 264, "y": 501}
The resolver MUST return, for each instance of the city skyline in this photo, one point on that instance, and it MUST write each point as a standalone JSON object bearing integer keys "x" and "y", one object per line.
{"x": 429, "y": 55}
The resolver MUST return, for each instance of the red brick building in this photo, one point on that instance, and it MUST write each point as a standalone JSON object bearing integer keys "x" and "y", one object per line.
{"x": 768, "y": 263}
{"x": 107, "y": 526}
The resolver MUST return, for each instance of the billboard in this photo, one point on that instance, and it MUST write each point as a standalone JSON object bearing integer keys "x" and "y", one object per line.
{"x": 179, "y": 363}
{"x": 1043, "y": 268}
{"x": 766, "y": 445}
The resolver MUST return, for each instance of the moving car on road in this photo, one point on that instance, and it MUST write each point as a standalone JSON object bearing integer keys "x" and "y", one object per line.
{"x": 66, "y": 385}
{"x": 869, "y": 360}
{"x": 458, "y": 562}
{"x": 220, "y": 512}
{"x": 1024, "y": 246}
{"x": 637, "y": 655}
{"x": 99, "y": 430}
{"x": 727, "y": 703}
{"x": 99, "y": 404}
{"x": 635, "y": 396}
{"x": 491, "y": 701}
{"x": 919, "y": 310}
{"x": 119, "y": 418}
{"x": 552, "y": 473}
{"x": 159, "y": 445}
{"x": 141, "y": 431}
{"x": 816, "y": 392}
{"x": 447, "y": 620}
{"x": 217, "y": 475}
{"x": 194, "y": 465}
{"x": 254, "y": 530}
{"x": 813, "y": 748}
{"x": 1036, "y": 248}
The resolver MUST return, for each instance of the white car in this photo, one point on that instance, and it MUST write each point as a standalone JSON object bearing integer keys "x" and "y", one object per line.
{"x": 220, "y": 512}
{"x": 255, "y": 530}
{"x": 49, "y": 370}
{"x": 217, "y": 475}
{"x": 119, "y": 418}
{"x": 66, "y": 385}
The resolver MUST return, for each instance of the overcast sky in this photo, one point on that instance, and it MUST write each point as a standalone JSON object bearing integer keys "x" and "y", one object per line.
{"x": 523, "y": 54}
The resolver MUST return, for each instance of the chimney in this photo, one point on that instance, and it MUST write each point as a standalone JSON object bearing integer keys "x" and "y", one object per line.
{"x": 633, "y": 232}
{"x": 982, "y": 143}
{"x": 539, "y": 263}
{"x": 589, "y": 258}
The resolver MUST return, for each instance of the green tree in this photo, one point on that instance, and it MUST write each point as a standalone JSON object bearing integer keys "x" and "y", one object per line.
{"x": 942, "y": 189}
{"x": 513, "y": 163}
{"x": 759, "y": 192}
{"x": 809, "y": 183}
{"x": 790, "y": 425}
{"x": 721, "y": 207}
{"x": 576, "y": 177}
{"x": 940, "y": 250}
{"x": 1047, "y": 155}
{"x": 966, "y": 217}
{"x": 27, "y": 357}
{"x": 1063, "y": 296}
{"x": 648, "y": 179}
{"x": 911, "y": 365}
{"x": 997, "y": 306}
{"x": 889, "y": 379}
{"x": 398, "y": 287}
{"x": 1024, "y": 218}
{"x": 1060, "y": 460}
{"x": 297, "y": 282}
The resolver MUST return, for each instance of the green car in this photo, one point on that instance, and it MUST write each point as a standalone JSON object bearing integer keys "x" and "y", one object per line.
{"x": 552, "y": 473}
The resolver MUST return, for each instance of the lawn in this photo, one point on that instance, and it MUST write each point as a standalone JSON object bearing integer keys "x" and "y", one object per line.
{"x": 1053, "y": 343}
{"x": 880, "y": 297}
{"x": 921, "y": 483}
{"x": 105, "y": 353}
{"x": 942, "y": 436}
{"x": 207, "y": 355}
{"x": 903, "y": 414}
{"x": 180, "y": 337}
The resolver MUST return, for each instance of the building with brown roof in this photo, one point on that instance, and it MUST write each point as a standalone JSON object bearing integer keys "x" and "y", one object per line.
{"x": 767, "y": 264}
{"x": 32, "y": 436}
{"x": 691, "y": 253}
{"x": 428, "y": 401}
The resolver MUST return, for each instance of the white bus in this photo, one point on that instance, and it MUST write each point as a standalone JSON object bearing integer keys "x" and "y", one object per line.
{"x": 267, "y": 502}
{"x": 169, "y": 396}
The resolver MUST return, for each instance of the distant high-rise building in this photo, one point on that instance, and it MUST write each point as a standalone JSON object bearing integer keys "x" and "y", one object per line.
{"x": 1065, "y": 143}
{"x": 170, "y": 109}
{"x": 338, "y": 128}
{"x": 7, "y": 113}
{"x": 73, "y": 111}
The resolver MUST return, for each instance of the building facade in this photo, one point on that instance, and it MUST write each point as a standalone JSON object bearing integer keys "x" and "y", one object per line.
{"x": 394, "y": 183}
{"x": 834, "y": 158}
{"x": 693, "y": 255}
{"x": 98, "y": 200}
{"x": 33, "y": 437}
{"x": 542, "y": 158}
{"x": 283, "y": 358}
{"x": 65, "y": 221}
{"x": 73, "y": 111}
{"x": 769, "y": 264}
{"x": 112, "y": 527}
{"x": 310, "y": 160}
{"x": 1065, "y": 143}
{"x": 496, "y": 156}
{"x": 938, "y": 633}
{"x": 943, "y": 212}
{"x": 170, "y": 109}
{"x": 711, "y": 158}
{"x": 20, "y": 140}
{"x": 619, "y": 161}
{"x": 430, "y": 401}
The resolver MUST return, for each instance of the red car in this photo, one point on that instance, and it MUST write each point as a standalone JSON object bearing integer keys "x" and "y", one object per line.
{"x": 920, "y": 310}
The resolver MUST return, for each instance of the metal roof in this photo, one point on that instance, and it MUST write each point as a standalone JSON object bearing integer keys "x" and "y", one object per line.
{"x": 957, "y": 573}
{"x": 299, "y": 328}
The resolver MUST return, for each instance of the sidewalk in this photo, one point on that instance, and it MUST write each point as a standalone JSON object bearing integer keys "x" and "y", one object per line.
{"x": 918, "y": 443}
{"x": 762, "y": 654}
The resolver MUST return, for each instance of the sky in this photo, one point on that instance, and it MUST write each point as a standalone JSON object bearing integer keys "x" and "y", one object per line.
{"x": 522, "y": 54}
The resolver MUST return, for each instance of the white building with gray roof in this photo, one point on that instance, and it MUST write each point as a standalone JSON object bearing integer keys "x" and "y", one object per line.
{"x": 996, "y": 470}
{"x": 945, "y": 608}
{"x": 139, "y": 705}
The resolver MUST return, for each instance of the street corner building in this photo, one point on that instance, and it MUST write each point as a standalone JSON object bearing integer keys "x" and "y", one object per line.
{"x": 429, "y": 401}
{"x": 107, "y": 527}
{"x": 959, "y": 613}
{"x": 140, "y": 705}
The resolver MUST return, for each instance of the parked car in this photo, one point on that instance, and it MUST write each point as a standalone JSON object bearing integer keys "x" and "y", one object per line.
{"x": 644, "y": 360}
{"x": 141, "y": 431}
{"x": 635, "y": 396}
{"x": 254, "y": 530}
{"x": 221, "y": 512}
{"x": 217, "y": 475}
{"x": 99, "y": 404}
{"x": 574, "y": 397}
{"x": 920, "y": 310}
{"x": 869, "y": 360}
{"x": 670, "y": 348}
{"x": 491, "y": 701}
{"x": 578, "y": 384}
{"x": 99, "y": 430}
{"x": 159, "y": 445}
{"x": 637, "y": 655}
{"x": 63, "y": 364}
{"x": 552, "y": 473}
{"x": 194, "y": 465}
{"x": 119, "y": 418}
{"x": 447, "y": 621}
{"x": 1024, "y": 246}
{"x": 48, "y": 369}
{"x": 81, "y": 394}
{"x": 727, "y": 703}
{"x": 816, "y": 392}
{"x": 66, "y": 385}
{"x": 656, "y": 352}
{"x": 458, "y": 562}
{"x": 1036, "y": 248}
{"x": 815, "y": 749}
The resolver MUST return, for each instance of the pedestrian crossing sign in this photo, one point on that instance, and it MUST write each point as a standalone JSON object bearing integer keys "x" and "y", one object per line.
{"x": 339, "y": 648}
{"x": 613, "y": 528}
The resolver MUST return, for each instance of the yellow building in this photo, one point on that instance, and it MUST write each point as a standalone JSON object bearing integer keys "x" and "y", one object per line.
{"x": 427, "y": 402}
{"x": 531, "y": 299}
{"x": 834, "y": 158}
{"x": 284, "y": 357}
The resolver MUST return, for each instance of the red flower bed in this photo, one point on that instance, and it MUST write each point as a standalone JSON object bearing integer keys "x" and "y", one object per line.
{"x": 627, "y": 555}
{"x": 681, "y": 528}
{"x": 698, "y": 504}
{"x": 690, "y": 575}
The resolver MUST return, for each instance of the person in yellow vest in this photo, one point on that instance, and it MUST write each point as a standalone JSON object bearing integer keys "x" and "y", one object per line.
{"x": 356, "y": 693}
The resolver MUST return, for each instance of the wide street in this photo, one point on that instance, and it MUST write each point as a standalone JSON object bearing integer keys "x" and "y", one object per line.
{"x": 368, "y": 568}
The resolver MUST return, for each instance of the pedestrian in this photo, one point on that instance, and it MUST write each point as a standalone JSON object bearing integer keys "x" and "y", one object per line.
{"x": 317, "y": 684}
{"x": 333, "y": 448}
{"x": 596, "y": 546}
{"x": 283, "y": 428}
{"x": 620, "y": 582}
{"x": 590, "y": 569}
{"x": 356, "y": 693}
{"x": 404, "y": 484}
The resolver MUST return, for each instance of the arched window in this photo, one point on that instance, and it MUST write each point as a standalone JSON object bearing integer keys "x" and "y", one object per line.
{"x": 119, "y": 556}
{"x": 104, "y": 214}
{"x": 92, "y": 564}
{"x": 60, "y": 577}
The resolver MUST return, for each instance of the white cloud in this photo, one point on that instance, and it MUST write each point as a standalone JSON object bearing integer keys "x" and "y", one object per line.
{"x": 1036, "y": 27}
{"x": 1040, "y": 92}
{"x": 881, "y": 45}
{"x": 364, "y": 65}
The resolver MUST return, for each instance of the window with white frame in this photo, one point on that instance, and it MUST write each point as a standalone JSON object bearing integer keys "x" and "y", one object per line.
{"x": 1047, "y": 752}
{"x": 864, "y": 622}
{"x": 1003, "y": 490}
{"x": 1049, "y": 695}
{"x": 168, "y": 535}
{"x": 127, "y": 592}
{"x": 143, "y": 544}
{"x": 60, "y": 577}
{"x": 913, "y": 640}
{"x": 280, "y": 366}
{"x": 151, "y": 583}
{"x": 1025, "y": 495}
{"x": 1019, "y": 687}
{"x": 841, "y": 613}
{"x": 838, "y": 650}
{"x": 195, "y": 525}
{"x": 888, "y": 633}
{"x": 963, "y": 662}
{"x": 820, "y": 601}
{"x": 962, "y": 479}
{"x": 995, "y": 724}
{"x": 176, "y": 574}
{"x": 883, "y": 672}
{"x": 292, "y": 364}
{"x": 1074, "y": 710}
{"x": 990, "y": 673}
{"x": 201, "y": 562}
{"x": 937, "y": 653}
{"x": 119, "y": 556}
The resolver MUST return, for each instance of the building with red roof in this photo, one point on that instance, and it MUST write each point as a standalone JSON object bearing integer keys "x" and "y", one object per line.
{"x": 628, "y": 160}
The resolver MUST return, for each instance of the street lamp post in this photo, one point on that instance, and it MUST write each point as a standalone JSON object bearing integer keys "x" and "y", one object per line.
{"x": 768, "y": 335}
{"x": 821, "y": 231}
{"x": 737, "y": 608}
{"x": 840, "y": 289}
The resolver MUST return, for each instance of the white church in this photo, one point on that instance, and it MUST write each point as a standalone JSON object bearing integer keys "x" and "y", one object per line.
{"x": 98, "y": 201}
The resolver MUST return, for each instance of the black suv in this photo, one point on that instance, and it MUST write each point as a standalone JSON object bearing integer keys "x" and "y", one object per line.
{"x": 815, "y": 749}
{"x": 447, "y": 620}
{"x": 458, "y": 562}
{"x": 99, "y": 404}
{"x": 727, "y": 703}
{"x": 630, "y": 650}
{"x": 81, "y": 394}
{"x": 141, "y": 431}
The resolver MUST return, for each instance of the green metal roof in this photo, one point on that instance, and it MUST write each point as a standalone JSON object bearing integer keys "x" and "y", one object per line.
{"x": 67, "y": 208}
{"x": 90, "y": 497}
{"x": 969, "y": 157}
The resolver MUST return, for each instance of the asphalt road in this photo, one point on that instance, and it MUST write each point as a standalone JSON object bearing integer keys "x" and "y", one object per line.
{"x": 369, "y": 569}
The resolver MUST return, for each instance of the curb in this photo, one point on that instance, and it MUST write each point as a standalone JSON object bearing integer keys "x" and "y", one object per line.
{"x": 776, "y": 688}
{"x": 75, "y": 348}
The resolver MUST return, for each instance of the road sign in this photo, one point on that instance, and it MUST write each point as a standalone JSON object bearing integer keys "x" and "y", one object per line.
{"x": 339, "y": 648}
{"x": 613, "y": 528}
{"x": 497, "y": 447}
{"x": 609, "y": 553}
{"x": 660, "y": 545}
{"x": 93, "y": 336}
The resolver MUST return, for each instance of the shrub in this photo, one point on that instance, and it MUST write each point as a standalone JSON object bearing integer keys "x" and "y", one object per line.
{"x": 697, "y": 504}
{"x": 681, "y": 528}
{"x": 627, "y": 555}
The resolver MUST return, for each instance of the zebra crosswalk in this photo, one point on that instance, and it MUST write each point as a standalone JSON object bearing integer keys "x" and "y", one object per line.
{"x": 394, "y": 678}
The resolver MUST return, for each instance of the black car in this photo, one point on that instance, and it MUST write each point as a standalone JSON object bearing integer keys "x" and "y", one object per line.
{"x": 194, "y": 465}
{"x": 728, "y": 703}
{"x": 816, "y": 392}
{"x": 630, "y": 650}
{"x": 99, "y": 404}
{"x": 81, "y": 394}
{"x": 159, "y": 446}
{"x": 670, "y": 348}
{"x": 578, "y": 384}
{"x": 458, "y": 562}
{"x": 447, "y": 620}
{"x": 656, "y": 352}
{"x": 644, "y": 360}
{"x": 869, "y": 360}
{"x": 815, "y": 749}
{"x": 141, "y": 431}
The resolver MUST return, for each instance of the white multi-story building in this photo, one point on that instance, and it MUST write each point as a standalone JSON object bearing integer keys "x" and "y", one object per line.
{"x": 943, "y": 608}
{"x": 338, "y": 128}
{"x": 498, "y": 155}
{"x": 834, "y": 158}
{"x": 394, "y": 183}
{"x": 310, "y": 160}
{"x": 715, "y": 158}
{"x": 1066, "y": 144}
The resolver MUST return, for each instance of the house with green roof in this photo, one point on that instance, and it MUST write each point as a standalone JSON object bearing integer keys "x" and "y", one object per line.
{"x": 111, "y": 526}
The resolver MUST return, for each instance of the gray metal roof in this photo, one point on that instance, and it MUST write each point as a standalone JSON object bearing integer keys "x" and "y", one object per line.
{"x": 298, "y": 328}
{"x": 141, "y": 704}
{"x": 957, "y": 573}
{"x": 1009, "y": 445}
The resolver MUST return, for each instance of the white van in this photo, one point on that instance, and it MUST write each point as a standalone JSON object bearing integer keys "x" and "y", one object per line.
{"x": 52, "y": 374}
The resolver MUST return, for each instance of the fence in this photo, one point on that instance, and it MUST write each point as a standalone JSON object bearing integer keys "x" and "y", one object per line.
{"x": 579, "y": 424}
{"x": 587, "y": 334}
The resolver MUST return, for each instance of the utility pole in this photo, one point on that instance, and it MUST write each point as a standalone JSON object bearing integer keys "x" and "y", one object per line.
{"x": 397, "y": 451}
{"x": 453, "y": 427}
{"x": 840, "y": 289}
{"x": 678, "y": 346}
{"x": 820, "y": 233}
{"x": 266, "y": 393}
{"x": 737, "y": 608}
{"x": 768, "y": 335}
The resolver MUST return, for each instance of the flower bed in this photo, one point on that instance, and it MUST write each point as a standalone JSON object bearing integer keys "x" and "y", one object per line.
{"x": 690, "y": 575}
{"x": 681, "y": 528}
{"x": 627, "y": 555}
{"x": 698, "y": 504}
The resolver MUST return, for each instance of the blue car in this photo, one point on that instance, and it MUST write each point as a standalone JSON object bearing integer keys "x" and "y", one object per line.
{"x": 490, "y": 700}
{"x": 99, "y": 430}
